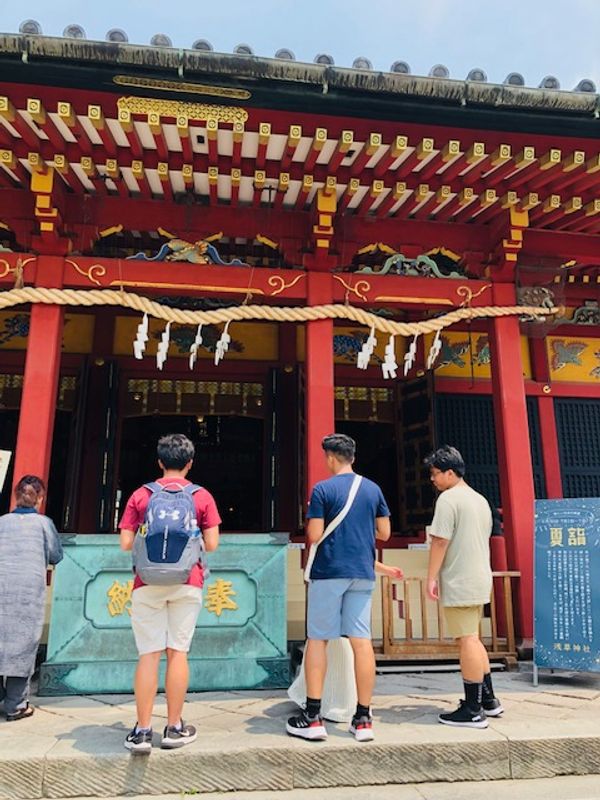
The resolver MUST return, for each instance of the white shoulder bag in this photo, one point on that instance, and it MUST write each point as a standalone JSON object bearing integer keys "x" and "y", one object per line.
{"x": 335, "y": 522}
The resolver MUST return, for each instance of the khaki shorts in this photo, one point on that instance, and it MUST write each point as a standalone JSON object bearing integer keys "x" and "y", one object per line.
{"x": 463, "y": 620}
{"x": 165, "y": 616}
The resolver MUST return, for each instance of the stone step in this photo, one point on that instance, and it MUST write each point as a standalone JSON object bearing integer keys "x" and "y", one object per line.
{"x": 73, "y": 746}
{"x": 307, "y": 766}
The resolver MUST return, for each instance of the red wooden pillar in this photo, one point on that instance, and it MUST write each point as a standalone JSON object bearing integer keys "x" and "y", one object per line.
{"x": 40, "y": 380}
{"x": 550, "y": 451}
{"x": 514, "y": 454}
{"x": 548, "y": 434}
{"x": 319, "y": 387}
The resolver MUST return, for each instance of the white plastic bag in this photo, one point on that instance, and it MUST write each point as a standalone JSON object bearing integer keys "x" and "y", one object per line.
{"x": 338, "y": 702}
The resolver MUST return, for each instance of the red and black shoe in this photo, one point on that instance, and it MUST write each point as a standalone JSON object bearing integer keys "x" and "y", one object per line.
{"x": 306, "y": 727}
{"x": 362, "y": 728}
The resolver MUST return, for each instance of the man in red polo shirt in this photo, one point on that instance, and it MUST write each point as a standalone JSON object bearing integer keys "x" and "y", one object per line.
{"x": 164, "y": 618}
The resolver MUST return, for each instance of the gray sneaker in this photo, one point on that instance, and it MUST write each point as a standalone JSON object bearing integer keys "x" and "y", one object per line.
{"x": 492, "y": 707}
{"x": 139, "y": 741}
{"x": 174, "y": 737}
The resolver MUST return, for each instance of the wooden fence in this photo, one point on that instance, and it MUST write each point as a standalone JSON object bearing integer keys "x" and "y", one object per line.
{"x": 413, "y": 625}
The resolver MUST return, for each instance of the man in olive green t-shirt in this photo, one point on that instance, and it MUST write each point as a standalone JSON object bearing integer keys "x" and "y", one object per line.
{"x": 460, "y": 578}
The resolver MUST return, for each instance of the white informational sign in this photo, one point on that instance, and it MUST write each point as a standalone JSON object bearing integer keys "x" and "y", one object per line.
{"x": 4, "y": 462}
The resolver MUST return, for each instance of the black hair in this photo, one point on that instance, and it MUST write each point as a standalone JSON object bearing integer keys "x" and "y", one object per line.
{"x": 445, "y": 458}
{"x": 29, "y": 490}
{"x": 343, "y": 447}
{"x": 175, "y": 450}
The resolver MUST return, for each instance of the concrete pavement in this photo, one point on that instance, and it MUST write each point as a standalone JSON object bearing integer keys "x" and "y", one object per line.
{"x": 73, "y": 747}
{"x": 585, "y": 787}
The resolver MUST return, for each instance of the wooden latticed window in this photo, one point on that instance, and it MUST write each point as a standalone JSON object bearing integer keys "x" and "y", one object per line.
{"x": 467, "y": 423}
{"x": 193, "y": 397}
{"x": 578, "y": 429}
{"x": 535, "y": 441}
{"x": 11, "y": 389}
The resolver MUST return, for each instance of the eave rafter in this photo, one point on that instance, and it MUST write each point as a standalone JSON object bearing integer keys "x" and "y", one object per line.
{"x": 152, "y": 149}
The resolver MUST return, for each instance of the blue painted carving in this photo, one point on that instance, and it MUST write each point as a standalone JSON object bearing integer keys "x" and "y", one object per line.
{"x": 200, "y": 252}
{"x": 421, "y": 267}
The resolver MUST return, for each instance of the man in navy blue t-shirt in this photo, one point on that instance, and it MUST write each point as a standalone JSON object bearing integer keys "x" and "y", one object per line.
{"x": 342, "y": 579}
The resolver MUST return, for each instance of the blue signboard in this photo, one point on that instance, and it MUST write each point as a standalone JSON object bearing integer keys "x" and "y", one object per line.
{"x": 567, "y": 584}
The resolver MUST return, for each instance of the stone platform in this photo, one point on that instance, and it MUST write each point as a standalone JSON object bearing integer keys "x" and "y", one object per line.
{"x": 73, "y": 746}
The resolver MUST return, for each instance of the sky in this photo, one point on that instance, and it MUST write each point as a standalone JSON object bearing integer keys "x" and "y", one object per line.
{"x": 533, "y": 37}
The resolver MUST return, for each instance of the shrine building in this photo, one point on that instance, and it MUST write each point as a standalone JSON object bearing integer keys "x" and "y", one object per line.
{"x": 296, "y": 212}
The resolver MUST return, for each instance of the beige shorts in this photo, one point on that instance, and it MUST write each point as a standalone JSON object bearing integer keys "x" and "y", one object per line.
{"x": 165, "y": 616}
{"x": 463, "y": 620}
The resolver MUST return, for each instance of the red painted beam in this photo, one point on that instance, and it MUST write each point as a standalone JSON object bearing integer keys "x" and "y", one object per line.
{"x": 45, "y": 123}
{"x": 470, "y": 158}
{"x": 393, "y": 196}
{"x": 128, "y": 125}
{"x": 411, "y": 292}
{"x": 24, "y": 129}
{"x": 160, "y": 144}
{"x": 212, "y": 141}
{"x": 368, "y": 150}
{"x": 68, "y": 116}
{"x": 431, "y": 205}
{"x": 96, "y": 116}
{"x": 417, "y": 197}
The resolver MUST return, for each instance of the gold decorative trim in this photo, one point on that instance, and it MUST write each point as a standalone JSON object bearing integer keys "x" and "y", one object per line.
{"x": 372, "y": 248}
{"x": 468, "y": 295}
{"x": 197, "y": 286}
{"x": 266, "y": 241}
{"x": 444, "y": 252}
{"x": 7, "y": 269}
{"x": 277, "y": 280}
{"x": 90, "y": 274}
{"x": 187, "y": 88}
{"x": 198, "y": 112}
{"x": 358, "y": 288}
{"x": 436, "y": 301}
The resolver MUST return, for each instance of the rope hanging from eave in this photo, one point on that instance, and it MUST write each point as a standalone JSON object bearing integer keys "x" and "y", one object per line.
{"x": 135, "y": 302}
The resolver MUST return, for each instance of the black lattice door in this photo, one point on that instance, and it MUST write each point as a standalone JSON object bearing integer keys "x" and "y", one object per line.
{"x": 415, "y": 437}
{"x": 578, "y": 429}
{"x": 467, "y": 423}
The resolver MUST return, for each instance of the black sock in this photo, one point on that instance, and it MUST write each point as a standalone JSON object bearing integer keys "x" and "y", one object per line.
{"x": 362, "y": 711}
{"x": 488, "y": 689}
{"x": 313, "y": 707}
{"x": 473, "y": 692}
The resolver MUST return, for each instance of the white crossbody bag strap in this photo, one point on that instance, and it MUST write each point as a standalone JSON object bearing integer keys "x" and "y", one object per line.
{"x": 335, "y": 522}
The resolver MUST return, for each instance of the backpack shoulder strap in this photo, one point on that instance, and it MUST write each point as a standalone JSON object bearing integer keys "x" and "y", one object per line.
{"x": 191, "y": 488}
{"x": 335, "y": 522}
{"x": 153, "y": 487}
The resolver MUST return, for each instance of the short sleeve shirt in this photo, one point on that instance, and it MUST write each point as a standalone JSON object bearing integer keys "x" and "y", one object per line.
{"x": 348, "y": 552}
{"x": 207, "y": 515}
{"x": 463, "y": 517}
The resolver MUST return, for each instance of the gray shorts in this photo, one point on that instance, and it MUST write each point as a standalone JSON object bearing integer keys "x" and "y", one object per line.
{"x": 339, "y": 607}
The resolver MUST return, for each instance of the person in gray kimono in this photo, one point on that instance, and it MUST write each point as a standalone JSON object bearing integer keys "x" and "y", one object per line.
{"x": 28, "y": 543}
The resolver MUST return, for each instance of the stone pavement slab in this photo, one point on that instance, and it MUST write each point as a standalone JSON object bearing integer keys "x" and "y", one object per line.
{"x": 585, "y": 787}
{"x": 73, "y": 746}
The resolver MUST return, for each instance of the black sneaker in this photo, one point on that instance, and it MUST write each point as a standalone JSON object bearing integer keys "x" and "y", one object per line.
{"x": 362, "y": 728}
{"x": 20, "y": 713}
{"x": 492, "y": 707}
{"x": 306, "y": 727}
{"x": 178, "y": 737}
{"x": 464, "y": 717}
{"x": 139, "y": 741}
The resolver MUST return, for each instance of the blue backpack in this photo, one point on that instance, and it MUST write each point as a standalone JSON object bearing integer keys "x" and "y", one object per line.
{"x": 169, "y": 543}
